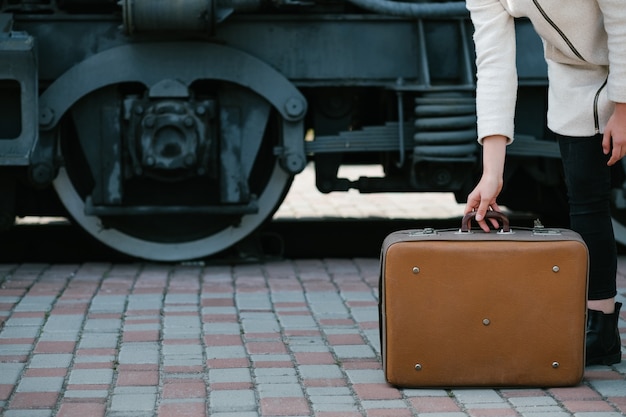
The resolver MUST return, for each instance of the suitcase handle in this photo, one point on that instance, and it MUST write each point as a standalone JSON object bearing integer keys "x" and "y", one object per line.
{"x": 467, "y": 219}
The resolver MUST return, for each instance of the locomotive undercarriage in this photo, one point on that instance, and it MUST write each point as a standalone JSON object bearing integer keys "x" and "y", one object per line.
{"x": 176, "y": 139}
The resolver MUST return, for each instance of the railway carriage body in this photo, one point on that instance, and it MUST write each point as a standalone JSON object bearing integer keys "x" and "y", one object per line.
{"x": 172, "y": 130}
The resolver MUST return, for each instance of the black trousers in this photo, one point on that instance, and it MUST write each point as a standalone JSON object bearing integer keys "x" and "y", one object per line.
{"x": 588, "y": 181}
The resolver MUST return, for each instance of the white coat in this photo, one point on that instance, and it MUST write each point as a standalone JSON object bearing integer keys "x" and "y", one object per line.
{"x": 585, "y": 49}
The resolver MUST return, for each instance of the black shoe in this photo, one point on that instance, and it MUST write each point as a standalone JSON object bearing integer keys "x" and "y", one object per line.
{"x": 604, "y": 346}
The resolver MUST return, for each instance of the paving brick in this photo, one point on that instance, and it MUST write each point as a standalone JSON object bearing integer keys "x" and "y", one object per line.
{"x": 285, "y": 407}
{"x": 137, "y": 378}
{"x": 51, "y": 360}
{"x": 491, "y": 412}
{"x": 28, "y": 400}
{"x": 134, "y": 399}
{"x": 221, "y": 401}
{"x": 81, "y": 410}
{"x": 40, "y": 384}
{"x": 5, "y": 391}
{"x": 434, "y": 404}
{"x": 91, "y": 376}
{"x": 184, "y": 389}
{"x": 186, "y": 409}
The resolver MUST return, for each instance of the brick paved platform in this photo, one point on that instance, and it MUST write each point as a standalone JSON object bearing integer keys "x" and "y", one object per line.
{"x": 283, "y": 338}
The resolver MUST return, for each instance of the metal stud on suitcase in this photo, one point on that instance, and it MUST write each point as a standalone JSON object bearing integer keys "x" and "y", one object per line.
{"x": 469, "y": 308}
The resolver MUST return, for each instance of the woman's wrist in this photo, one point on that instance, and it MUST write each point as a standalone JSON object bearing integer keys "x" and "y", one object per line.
{"x": 494, "y": 153}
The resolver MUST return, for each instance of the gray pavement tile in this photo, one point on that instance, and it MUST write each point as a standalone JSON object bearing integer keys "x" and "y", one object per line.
{"x": 133, "y": 402}
{"x": 40, "y": 384}
{"x": 10, "y": 372}
{"x": 232, "y": 401}
{"x": 91, "y": 376}
{"x": 139, "y": 353}
{"x": 28, "y": 413}
{"x": 51, "y": 360}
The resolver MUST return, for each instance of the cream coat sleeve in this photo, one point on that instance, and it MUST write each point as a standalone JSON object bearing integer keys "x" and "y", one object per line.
{"x": 496, "y": 90}
{"x": 614, "y": 12}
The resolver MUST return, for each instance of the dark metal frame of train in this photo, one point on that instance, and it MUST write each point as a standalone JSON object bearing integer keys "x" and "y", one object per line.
{"x": 171, "y": 130}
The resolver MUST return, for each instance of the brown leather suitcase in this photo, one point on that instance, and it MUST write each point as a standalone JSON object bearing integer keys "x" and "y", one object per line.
{"x": 465, "y": 308}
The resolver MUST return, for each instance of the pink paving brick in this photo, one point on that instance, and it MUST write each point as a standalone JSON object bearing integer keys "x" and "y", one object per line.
{"x": 182, "y": 410}
{"x": 294, "y": 313}
{"x": 218, "y": 302}
{"x": 11, "y": 292}
{"x": 581, "y": 392}
{"x": 287, "y": 406}
{"x": 222, "y": 340}
{"x": 27, "y": 314}
{"x": 136, "y": 320}
{"x": 602, "y": 375}
{"x": 266, "y": 347}
{"x": 587, "y": 406}
{"x": 272, "y": 364}
{"x": 69, "y": 310}
{"x": 319, "y": 286}
{"x": 82, "y": 410}
{"x": 180, "y": 313}
{"x": 284, "y": 304}
{"x": 34, "y": 400}
{"x": 434, "y": 404}
{"x": 219, "y": 318}
{"x": 619, "y": 402}
{"x": 141, "y": 336}
{"x": 184, "y": 389}
{"x": 94, "y": 365}
{"x": 265, "y": 336}
{"x": 216, "y": 386}
{"x": 45, "y": 372}
{"x": 136, "y": 313}
{"x": 362, "y": 364}
{"x": 376, "y": 391}
{"x": 137, "y": 378}
{"x": 314, "y": 358}
{"x": 372, "y": 303}
{"x": 5, "y": 391}
{"x": 369, "y": 325}
{"x": 55, "y": 347}
{"x": 228, "y": 363}
{"x": 355, "y": 287}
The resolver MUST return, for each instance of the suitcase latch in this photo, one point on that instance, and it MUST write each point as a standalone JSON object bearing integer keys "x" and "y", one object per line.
{"x": 424, "y": 231}
{"x": 539, "y": 229}
{"x": 546, "y": 231}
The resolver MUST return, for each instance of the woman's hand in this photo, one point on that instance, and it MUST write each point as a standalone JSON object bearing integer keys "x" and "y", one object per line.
{"x": 483, "y": 197}
{"x": 614, "y": 138}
